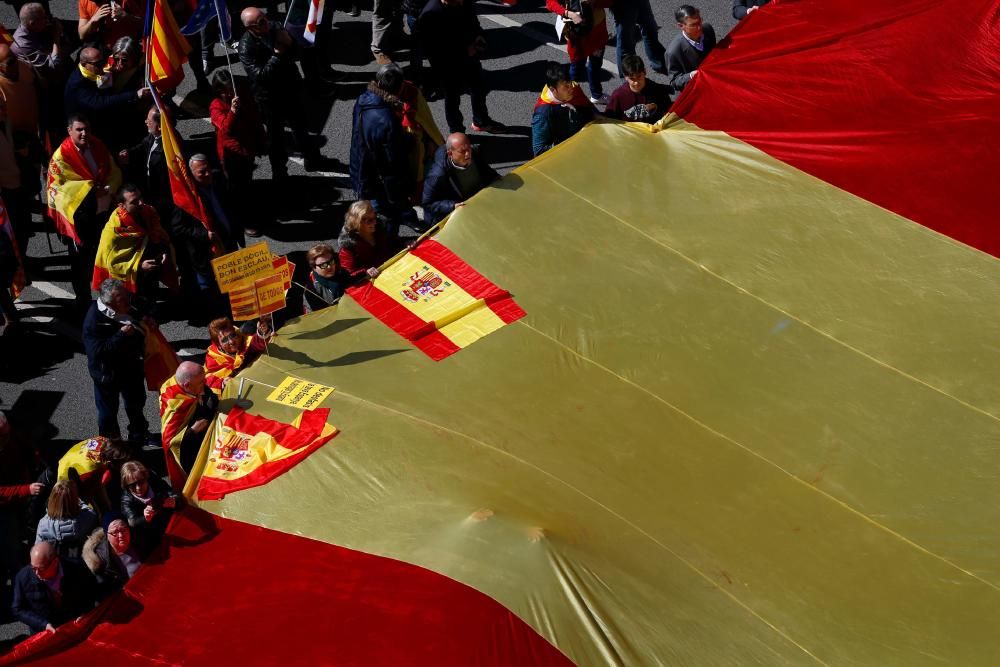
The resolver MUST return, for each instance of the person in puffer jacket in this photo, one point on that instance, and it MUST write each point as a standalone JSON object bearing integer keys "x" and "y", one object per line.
{"x": 68, "y": 521}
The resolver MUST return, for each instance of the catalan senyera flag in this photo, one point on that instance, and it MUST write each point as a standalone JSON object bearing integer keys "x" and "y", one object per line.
{"x": 249, "y": 450}
{"x": 123, "y": 241}
{"x": 181, "y": 183}
{"x": 18, "y": 281}
{"x": 167, "y": 48}
{"x": 70, "y": 180}
{"x": 176, "y": 408}
{"x": 436, "y": 301}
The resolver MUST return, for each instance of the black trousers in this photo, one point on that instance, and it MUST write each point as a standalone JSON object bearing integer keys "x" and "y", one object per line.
{"x": 456, "y": 78}
{"x": 106, "y": 396}
{"x": 286, "y": 107}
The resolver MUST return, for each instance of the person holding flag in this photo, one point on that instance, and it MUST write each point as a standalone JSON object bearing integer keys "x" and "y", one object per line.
{"x": 187, "y": 407}
{"x": 82, "y": 181}
{"x": 134, "y": 248}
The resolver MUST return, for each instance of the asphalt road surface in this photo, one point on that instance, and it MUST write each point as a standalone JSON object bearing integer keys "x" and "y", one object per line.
{"x": 44, "y": 384}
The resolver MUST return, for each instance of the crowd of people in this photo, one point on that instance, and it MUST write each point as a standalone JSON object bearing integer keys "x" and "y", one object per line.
{"x": 82, "y": 140}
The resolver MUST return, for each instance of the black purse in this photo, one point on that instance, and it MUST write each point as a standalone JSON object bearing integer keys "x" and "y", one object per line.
{"x": 575, "y": 31}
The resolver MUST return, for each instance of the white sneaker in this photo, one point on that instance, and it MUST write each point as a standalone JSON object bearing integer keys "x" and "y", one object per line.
{"x": 602, "y": 100}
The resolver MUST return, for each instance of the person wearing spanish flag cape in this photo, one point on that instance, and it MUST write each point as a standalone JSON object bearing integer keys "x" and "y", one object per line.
{"x": 187, "y": 407}
{"x": 134, "y": 247}
{"x": 232, "y": 350}
{"x": 82, "y": 180}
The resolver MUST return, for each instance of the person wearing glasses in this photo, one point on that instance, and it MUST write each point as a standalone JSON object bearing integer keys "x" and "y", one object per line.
{"x": 147, "y": 504}
{"x": 51, "y": 591}
{"x": 231, "y": 350}
{"x": 110, "y": 555}
{"x": 90, "y": 91}
{"x": 327, "y": 280}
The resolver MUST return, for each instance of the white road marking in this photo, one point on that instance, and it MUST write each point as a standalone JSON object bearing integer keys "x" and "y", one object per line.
{"x": 542, "y": 37}
{"x": 50, "y": 289}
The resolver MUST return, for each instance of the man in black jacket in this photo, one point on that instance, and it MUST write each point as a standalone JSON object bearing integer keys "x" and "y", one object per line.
{"x": 458, "y": 172}
{"x": 146, "y": 166}
{"x": 114, "y": 338}
{"x": 689, "y": 48}
{"x": 267, "y": 52}
{"x": 51, "y": 591}
{"x": 453, "y": 41}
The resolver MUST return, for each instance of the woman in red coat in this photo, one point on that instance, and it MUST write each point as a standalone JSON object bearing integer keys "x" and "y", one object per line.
{"x": 586, "y": 33}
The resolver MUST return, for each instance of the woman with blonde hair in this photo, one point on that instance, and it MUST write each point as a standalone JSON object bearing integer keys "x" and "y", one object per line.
{"x": 68, "y": 521}
{"x": 147, "y": 505}
{"x": 364, "y": 244}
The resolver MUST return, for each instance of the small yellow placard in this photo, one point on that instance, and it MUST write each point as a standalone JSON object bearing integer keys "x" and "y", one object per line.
{"x": 238, "y": 267}
{"x": 300, "y": 393}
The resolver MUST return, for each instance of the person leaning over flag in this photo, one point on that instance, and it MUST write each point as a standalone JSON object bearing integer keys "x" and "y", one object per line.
{"x": 83, "y": 179}
{"x": 187, "y": 406}
{"x": 560, "y": 112}
{"x": 231, "y": 350}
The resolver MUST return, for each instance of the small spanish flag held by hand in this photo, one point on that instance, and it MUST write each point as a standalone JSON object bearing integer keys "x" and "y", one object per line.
{"x": 436, "y": 301}
{"x": 249, "y": 450}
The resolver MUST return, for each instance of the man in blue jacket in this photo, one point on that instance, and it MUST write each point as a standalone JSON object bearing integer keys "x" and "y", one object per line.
{"x": 88, "y": 91}
{"x": 459, "y": 171}
{"x": 380, "y": 149}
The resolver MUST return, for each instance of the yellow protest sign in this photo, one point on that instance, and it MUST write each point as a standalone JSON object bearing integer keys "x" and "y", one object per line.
{"x": 270, "y": 292}
{"x": 241, "y": 266}
{"x": 297, "y": 393}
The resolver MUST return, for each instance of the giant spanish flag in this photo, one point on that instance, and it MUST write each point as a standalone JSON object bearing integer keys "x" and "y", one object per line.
{"x": 436, "y": 301}
{"x": 751, "y": 416}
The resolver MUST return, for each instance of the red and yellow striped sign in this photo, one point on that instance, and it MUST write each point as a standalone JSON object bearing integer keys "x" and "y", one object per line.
{"x": 436, "y": 301}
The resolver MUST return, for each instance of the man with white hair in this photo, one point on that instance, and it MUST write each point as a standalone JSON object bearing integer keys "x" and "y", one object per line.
{"x": 201, "y": 242}
{"x": 114, "y": 337}
{"x": 187, "y": 407}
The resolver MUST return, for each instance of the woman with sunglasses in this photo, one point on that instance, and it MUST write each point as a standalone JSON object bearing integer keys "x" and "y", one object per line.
{"x": 147, "y": 504}
{"x": 231, "y": 350}
{"x": 327, "y": 280}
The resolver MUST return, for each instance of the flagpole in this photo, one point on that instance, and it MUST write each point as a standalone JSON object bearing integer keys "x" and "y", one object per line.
{"x": 222, "y": 40}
